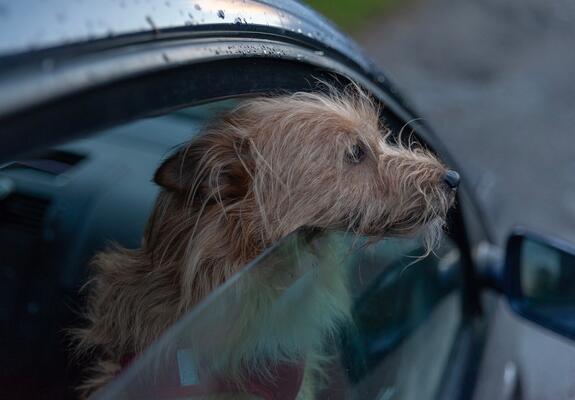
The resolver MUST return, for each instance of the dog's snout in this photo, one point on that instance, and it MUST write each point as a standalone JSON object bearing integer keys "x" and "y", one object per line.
{"x": 451, "y": 179}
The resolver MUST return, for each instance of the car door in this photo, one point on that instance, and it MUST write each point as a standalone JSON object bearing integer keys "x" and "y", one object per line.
{"x": 64, "y": 92}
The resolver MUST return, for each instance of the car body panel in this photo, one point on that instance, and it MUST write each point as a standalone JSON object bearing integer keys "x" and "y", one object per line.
{"x": 31, "y": 25}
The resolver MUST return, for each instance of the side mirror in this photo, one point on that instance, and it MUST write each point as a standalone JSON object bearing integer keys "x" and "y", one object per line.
{"x": 539, "y": 280}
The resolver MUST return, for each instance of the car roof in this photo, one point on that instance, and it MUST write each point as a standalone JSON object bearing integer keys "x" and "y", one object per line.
{"x": 32, "y": 32}
{"x": 29, "y": 25}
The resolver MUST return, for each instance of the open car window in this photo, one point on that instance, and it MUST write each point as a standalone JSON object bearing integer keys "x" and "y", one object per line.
{"x": 394, "y": 344}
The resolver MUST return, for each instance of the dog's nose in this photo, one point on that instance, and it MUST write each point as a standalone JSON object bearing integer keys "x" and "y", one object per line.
{"x": 451, "y": 178}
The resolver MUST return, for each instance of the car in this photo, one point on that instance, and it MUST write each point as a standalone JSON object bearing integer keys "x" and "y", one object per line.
{"x": 93, "y": 95}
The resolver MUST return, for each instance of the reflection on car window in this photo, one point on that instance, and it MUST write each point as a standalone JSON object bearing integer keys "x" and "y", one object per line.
{"x": 341, "y": 318}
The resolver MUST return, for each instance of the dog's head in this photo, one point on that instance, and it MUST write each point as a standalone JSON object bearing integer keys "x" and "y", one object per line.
{"x": 310, "y": 159}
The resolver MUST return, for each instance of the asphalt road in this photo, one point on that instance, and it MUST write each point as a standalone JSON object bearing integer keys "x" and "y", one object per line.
{"x": 496, "y": 79}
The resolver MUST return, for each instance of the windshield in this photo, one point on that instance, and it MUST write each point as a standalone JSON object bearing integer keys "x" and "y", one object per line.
{"x": 324, "y": 312}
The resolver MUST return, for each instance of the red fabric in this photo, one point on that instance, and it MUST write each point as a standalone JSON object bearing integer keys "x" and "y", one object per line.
{"x": 284, "y": 383}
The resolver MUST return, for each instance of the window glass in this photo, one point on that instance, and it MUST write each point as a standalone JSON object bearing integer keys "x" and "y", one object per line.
{"x": 375, "y": 321}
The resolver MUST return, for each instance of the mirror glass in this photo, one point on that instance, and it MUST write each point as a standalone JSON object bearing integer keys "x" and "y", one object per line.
{"x": 547, "y": 283}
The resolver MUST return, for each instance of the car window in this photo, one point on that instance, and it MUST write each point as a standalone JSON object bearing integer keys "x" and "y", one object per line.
{"x": 405, "y": 312}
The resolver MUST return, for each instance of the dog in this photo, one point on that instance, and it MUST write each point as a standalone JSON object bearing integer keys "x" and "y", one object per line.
{"x": 256, "y": 173}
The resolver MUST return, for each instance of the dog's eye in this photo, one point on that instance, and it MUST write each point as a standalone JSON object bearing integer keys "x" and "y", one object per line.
{"x": 355, "y": 154}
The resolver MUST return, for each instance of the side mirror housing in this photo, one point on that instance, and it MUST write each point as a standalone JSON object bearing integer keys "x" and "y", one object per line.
{"x": 539, "y": 280}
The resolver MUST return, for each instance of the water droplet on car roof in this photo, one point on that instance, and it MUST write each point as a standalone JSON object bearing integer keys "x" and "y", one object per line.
{"x": 197, "y": 7}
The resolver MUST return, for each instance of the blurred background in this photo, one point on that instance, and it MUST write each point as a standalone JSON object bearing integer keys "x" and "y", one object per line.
{"x": 495, "y": 79}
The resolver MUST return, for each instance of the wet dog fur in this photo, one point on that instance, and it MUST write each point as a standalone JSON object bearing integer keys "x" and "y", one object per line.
{"x": 256, "y": 173}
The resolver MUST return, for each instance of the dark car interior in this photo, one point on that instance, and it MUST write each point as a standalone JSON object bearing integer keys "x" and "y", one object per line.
{"x": 57, "y": 208}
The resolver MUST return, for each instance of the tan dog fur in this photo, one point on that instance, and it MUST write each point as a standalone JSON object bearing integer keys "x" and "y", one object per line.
{"x": 258, "y": 172}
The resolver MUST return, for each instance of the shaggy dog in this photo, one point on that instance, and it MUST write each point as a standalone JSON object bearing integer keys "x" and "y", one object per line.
{"x": 258, "y": 172}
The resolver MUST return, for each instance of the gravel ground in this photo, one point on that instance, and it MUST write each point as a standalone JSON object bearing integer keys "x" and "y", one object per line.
{"x": 496, "y": 79}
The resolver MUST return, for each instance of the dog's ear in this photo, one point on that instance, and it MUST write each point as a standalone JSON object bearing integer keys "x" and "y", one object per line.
{"x": 215, "y": 165}
{"x": 176, "y": 172}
